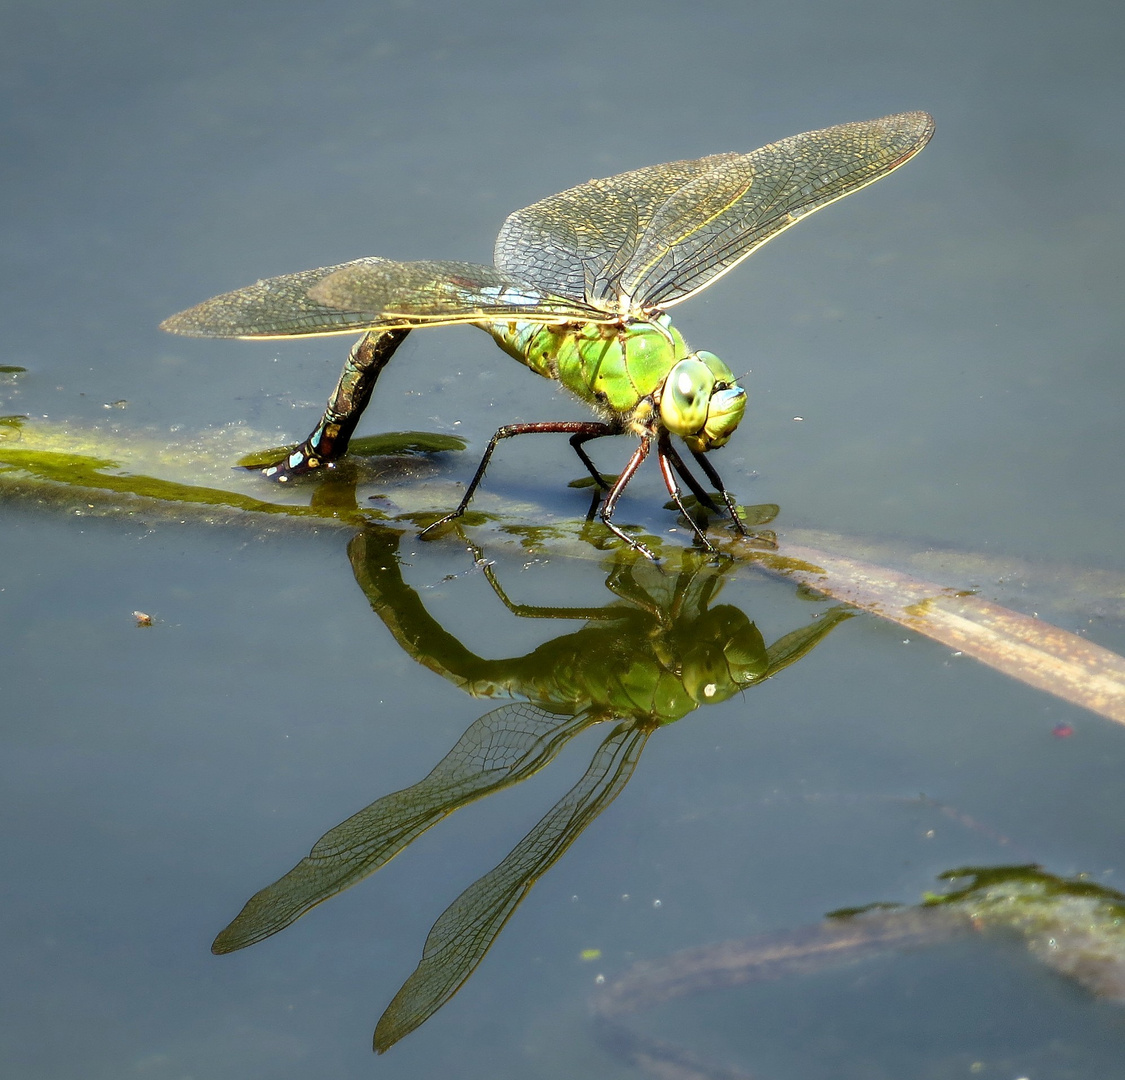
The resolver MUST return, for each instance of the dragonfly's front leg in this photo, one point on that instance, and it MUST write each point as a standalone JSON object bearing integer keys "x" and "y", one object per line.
{"x": 328, "y": 441}
{"x": 717, "y": 480}
{"x": 669, "y": 451}
{"x": 583, "y": 429}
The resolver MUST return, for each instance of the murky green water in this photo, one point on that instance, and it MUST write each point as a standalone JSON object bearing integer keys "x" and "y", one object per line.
{"x": 950, "y": 339}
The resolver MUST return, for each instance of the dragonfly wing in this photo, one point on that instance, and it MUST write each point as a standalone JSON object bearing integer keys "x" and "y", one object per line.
{"x": 577, "y": 243}
{"x": 373, "y": 294}
{"x": 424, "y": 293}
{"x": 713, "y": 222}
{"x": 275, "y": 307}
{"x": 498, "y": 750}
{"x": 467, "y": 928}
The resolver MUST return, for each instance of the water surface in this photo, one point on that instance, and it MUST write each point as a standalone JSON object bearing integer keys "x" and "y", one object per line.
{"x": 949, "y": 338}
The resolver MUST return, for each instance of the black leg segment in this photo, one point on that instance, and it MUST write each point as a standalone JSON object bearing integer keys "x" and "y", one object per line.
{"x": 583, "y": 430}
{"x": 717, "y": 480}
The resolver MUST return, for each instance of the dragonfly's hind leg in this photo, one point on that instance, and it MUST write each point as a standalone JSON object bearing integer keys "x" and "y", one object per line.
{"x": 328, "y": 441}
{"x": 579, "y": 429}
{"x": 576, "y": 442}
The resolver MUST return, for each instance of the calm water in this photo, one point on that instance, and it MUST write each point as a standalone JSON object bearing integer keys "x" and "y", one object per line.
{"x": 951, "y": 339}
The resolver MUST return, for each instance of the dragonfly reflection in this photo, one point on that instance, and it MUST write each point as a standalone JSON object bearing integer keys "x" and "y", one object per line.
{"x": 653, "y": 655}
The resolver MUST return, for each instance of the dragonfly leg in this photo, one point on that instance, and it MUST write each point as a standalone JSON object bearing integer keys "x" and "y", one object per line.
{"x": 666, "y": 469}
{"x": 610, "y": 503}
{"x": 328, "y": 441}
{"x": 717, "y": 480}
{"x": 539, "y": 611}
{"x": 576, "y": 441}
{"x": 696, "y": 487}
{"x": 591, "y": 429}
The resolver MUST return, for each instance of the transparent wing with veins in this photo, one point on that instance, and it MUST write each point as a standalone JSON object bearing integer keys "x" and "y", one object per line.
{"x": 467, "y": 928}
{"x": 632, "y": 243}
{"x": 651, "y": 238}
{"x": 375, "y": 294}
{"x": 498, "y": 750}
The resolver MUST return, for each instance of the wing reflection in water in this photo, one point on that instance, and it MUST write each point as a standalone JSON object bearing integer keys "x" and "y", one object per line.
{"x": 650, "y": 657}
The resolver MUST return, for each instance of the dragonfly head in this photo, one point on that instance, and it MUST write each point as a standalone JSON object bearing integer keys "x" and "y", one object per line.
{"x": 701, "y": 401}
{"x": 724, "y": 655}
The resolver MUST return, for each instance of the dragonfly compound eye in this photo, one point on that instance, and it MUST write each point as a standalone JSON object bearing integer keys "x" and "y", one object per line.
{"x": 686, "y": 396}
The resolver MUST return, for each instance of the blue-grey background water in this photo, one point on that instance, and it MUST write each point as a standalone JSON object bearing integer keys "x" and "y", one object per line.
{"x": 951, "y": 339}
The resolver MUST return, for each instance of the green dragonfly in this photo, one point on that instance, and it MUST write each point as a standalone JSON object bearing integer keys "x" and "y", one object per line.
{"x": 579, "y": 293}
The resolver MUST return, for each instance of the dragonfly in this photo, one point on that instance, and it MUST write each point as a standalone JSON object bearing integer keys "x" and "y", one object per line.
{"x": 579, "y": 293}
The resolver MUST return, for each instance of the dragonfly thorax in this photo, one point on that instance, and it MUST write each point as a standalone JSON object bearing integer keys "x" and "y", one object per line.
{"x": 636, "y": 370}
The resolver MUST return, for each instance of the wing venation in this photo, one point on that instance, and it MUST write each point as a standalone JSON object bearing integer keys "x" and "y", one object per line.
{"x": 374, "y": 294}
